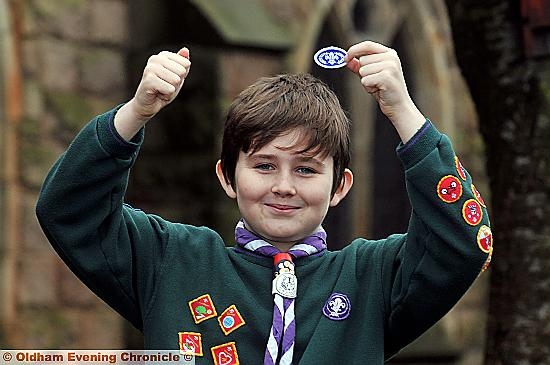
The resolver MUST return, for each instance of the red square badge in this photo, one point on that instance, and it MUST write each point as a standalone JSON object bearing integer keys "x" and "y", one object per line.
{"x": 230, "y": 320}
{"x": 225, "y": 354}
{"x": 202, "y": 308}
{"x": 190, "y": 343}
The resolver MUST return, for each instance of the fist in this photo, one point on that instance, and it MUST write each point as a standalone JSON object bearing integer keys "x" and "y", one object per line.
{"x": 161, "y": 82}
{"x": 381, "y": 75}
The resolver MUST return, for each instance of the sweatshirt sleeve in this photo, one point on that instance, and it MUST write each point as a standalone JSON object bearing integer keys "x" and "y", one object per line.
{"x": 101, "y": 239}
{"x": 447, "y": 245}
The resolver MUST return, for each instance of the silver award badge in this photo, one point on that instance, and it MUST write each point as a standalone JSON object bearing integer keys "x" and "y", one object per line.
{"x": 286, "y": 285}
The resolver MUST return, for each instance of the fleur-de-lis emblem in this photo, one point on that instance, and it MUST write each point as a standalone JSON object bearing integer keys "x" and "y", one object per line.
{"x": 330, "y": 57}
{"x": 337, "y": 307}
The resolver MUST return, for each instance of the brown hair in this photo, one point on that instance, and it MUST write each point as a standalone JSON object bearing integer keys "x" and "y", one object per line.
{"x": 275, "y": 105}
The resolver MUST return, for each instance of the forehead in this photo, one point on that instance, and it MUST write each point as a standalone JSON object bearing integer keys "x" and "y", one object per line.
{"x": 295, "y": 141}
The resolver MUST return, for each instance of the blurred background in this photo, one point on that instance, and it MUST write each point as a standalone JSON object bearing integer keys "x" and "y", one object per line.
{"x": 64, "y": 61}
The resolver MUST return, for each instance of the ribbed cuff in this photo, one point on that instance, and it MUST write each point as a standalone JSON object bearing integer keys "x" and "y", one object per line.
{"x": 111, "y": 141}
{"x": 420, "y": 145}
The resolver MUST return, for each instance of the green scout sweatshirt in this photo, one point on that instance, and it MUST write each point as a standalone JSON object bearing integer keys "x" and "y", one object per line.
{"x": 165, "y": 277}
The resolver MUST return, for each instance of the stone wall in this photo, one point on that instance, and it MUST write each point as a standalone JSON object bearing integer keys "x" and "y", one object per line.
{"x": 73, "y": 66}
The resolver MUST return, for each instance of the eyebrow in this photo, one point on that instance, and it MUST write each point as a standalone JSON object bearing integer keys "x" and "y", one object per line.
{"x": 301, "y": 158}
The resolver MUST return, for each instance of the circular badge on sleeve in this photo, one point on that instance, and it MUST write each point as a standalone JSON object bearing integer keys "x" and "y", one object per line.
{"x": 330, "y": 57}
{"x": 460, "y": 169}
{"x": 478, "y": 196}
{"x": 485, "y": 239}
{"x": 449, "y": 189}
{"x": 472, "y": 213}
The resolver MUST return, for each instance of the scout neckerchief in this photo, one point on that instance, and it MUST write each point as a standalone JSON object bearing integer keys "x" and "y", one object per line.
{"x": 280, "y": 345}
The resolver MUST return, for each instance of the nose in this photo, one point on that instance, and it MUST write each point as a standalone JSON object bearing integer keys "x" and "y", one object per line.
{"x": 283, "y": 185}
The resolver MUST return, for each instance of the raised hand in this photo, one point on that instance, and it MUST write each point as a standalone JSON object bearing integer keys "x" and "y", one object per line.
{"x": 381, "y": 75}
{"x": 161, "y": 82}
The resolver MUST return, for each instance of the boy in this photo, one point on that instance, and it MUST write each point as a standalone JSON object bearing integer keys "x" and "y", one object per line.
{"x": 284, "y": 159}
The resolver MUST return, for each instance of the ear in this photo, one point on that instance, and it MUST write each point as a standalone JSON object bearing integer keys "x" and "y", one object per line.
{"x": 343, "y": 188}
{"x": 227, "y": 187}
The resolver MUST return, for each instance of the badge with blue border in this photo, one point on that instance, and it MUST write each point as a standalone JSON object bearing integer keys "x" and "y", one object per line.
{"x": 190, "y": 343}
{"x": 202, "y": 308}
{"x": 230, "y": 320}
{"x": 337, "y": 307}
{"x": 330, "y": 57}
{"x": 225, "y": 354}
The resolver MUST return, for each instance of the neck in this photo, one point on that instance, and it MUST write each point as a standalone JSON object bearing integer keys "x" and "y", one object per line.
{"x": 283, "y": 246}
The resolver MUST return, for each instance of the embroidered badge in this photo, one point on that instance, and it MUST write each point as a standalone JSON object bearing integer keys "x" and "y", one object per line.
{"x": 190, "y": 343}
{"x": 488, "y": 261}
{"x": 460, "y": 169}
{"x": 471, "y": 211}
{"x": 337, "y": 307}
{"x": 225, "y": 354}
{"x": 230, "y": 320}
{"x": 202, "y": 308}
{"x": 330, "y": 57}
{"x": 478, "y": 196}
{"x": 449, "y": 189}
{"x": 485, "y": 238}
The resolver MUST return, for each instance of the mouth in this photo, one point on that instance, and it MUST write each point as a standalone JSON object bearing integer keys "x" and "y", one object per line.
{"x": 282, "y": 208}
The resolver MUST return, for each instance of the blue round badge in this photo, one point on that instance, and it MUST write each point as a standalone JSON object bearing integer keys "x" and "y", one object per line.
{"x": 228, "y": 322}
{"x": 330, "y": 57}
{"x": 337, "y": 307}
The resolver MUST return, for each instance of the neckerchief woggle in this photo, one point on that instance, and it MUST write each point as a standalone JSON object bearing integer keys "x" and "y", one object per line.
{"x": 280, "y": 345}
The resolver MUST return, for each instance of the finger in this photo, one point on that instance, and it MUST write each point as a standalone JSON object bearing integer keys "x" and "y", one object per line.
{"x": 184, "y": 52}
{"x": 159, "y": 71}
{"x": 185, "y": 62}
{"x": 377, "y": 57}
{"x": 160, "y": 87}
{"x": 165, "y": 60}
{"x": 365, "y": 48}
{"x": 175, "y": 67}
{"x": 371, "y": 83}
{"x": 379, "y": 81}
{"x": 354, "y": 65}
{"x": 373, "y": 68}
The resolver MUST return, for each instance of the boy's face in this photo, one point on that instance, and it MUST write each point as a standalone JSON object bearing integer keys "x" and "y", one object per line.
{"x": 284, "y": 195}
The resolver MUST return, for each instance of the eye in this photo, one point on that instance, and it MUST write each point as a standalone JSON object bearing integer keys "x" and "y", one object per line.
{"x": 443, "y": 191}
{"x": 264, "y": 167}
{"x": 306, "y": 170}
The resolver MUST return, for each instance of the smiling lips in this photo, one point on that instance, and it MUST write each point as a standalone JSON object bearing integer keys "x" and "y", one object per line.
{"x": 282, "y": 208}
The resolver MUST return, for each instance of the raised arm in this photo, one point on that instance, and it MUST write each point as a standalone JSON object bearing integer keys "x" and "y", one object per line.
{"x": 448, "y": 241}
{"x": 114, "y": 249}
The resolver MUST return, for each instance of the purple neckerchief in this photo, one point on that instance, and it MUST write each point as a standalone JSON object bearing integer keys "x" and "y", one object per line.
{"x": 280, "y": 345}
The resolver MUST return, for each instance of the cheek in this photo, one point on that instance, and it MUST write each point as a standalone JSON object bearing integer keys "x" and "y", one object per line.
{"x": 249, "y": 189}
{"x": 317, "y": 194}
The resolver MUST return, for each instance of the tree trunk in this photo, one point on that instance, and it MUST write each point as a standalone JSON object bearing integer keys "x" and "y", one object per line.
{"x": 512, "y": 97}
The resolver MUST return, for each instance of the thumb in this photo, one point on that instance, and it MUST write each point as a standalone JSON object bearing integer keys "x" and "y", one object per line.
{"x": 184, "y": 52}
{"x": 354, "y": 65}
